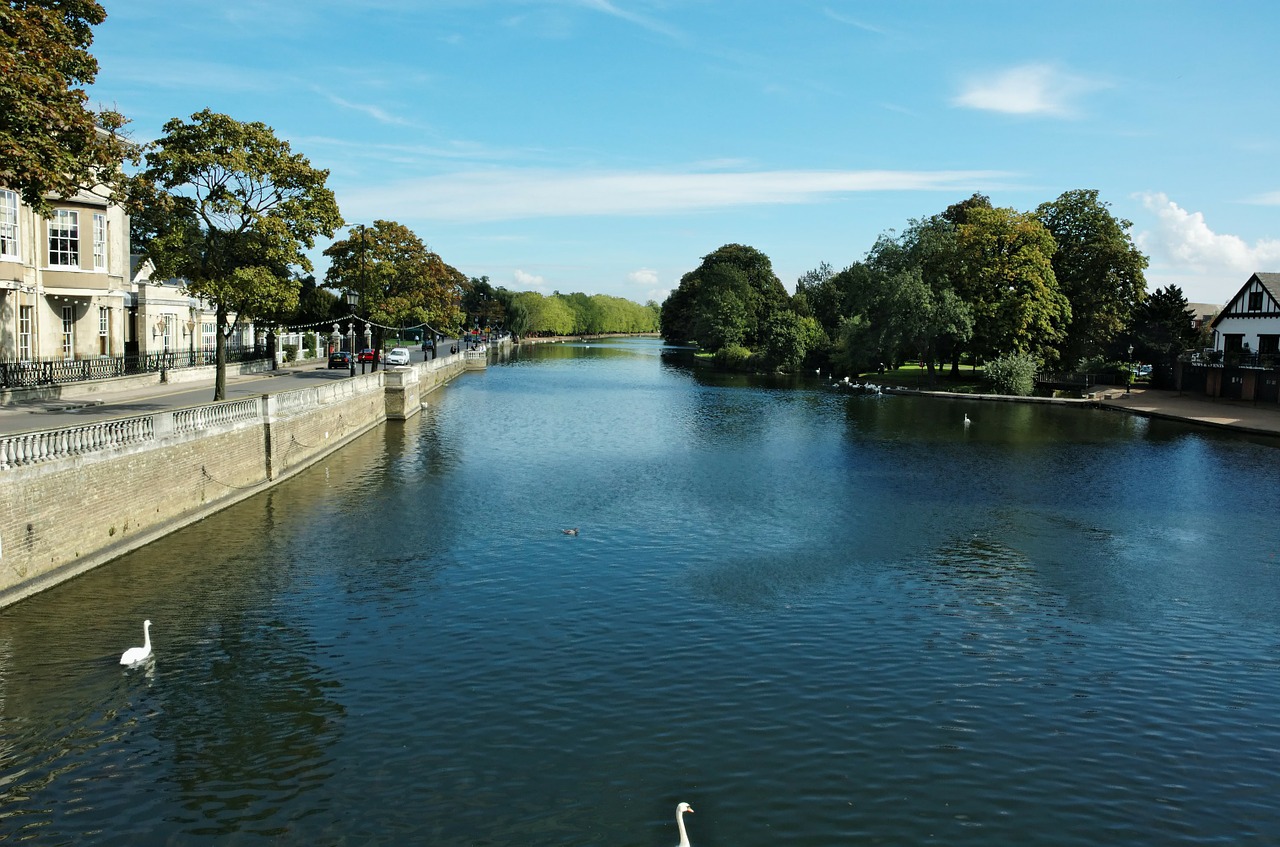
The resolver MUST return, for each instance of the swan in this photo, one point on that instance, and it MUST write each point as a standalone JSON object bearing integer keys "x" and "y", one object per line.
{"x": 136, "y": 654}
{"x": 573, "y": 531}
{"x": 966, "y": 419}
{"x": 684, "y": 836}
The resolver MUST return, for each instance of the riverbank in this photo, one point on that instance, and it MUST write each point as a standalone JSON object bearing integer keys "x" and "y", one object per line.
{"x": 559, "y": 339}
{"x": 1216, "y": 412}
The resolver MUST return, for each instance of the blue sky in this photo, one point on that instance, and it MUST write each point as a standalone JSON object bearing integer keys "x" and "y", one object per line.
{"x": 605, "y": 146}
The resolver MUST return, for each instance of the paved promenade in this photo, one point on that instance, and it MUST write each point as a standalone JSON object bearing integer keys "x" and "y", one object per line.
{"x": 1241, "y": 415}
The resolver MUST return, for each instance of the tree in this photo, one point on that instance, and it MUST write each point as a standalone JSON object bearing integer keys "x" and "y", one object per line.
{"x": 1097, "y": 267}
{"x": 400, "y": 281}
{"x": 51, "y": 144}
{"x": 481, "y": 304}
{"x": 234, "y": 208}
{"x": 1161, "y": 328}
{"x": 731, "y": 294}
{"x": 1005, "y": 275}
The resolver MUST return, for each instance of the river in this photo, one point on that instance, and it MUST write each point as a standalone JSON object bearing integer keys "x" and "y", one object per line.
{"x": 818, "y": 618}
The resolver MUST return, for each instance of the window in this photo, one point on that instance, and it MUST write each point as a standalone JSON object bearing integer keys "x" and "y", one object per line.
{"x": 1268, "y": 345}
{"x": 99, "y": 242}
{"x": 68, "y": 332}
{"x": 8, "y": 224}
{"x": 24, "y": 332}
{"x": 64, "y": 239}
{"x": 1255, "y": 301}
{"x": 104, "y": 331}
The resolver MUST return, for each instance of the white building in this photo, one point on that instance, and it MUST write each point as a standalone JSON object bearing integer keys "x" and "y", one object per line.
{"x": 64, "y": 279}
{"x": 1249, "y": 325}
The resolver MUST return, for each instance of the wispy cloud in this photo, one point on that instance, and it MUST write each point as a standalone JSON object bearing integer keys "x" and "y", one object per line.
{"x": 510, "y": 194}
{"x": 378, "y": 114}
{"x": 1185, "y": 250}
{"x": 1270, "y": 198}
{"x": 854, "y": 22}
{"x": 608, "y": 8}
{"x": 1032, "y": 89}
{"x": 645, "y": 277}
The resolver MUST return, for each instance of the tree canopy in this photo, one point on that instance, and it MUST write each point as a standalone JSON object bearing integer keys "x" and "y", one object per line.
{"x": 231, "y": 209}
{"x": 51, "y": 142}
{"x": 1097, "y": 267}
{"x": 400, "y": 281}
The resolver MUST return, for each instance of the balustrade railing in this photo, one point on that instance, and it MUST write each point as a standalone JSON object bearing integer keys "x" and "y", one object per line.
{"x": 35, "y": 373}
{"x": 34, "y": 447}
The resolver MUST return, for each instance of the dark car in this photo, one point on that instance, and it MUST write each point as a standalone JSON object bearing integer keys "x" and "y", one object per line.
{"x": 341, "y": 359}
{"x": 367, "y": 354}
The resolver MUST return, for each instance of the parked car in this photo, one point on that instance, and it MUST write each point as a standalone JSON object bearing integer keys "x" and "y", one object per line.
{"x": 341, "y": 359}
{"x": 398, "y": 356}
{"x": 367, "y": 355}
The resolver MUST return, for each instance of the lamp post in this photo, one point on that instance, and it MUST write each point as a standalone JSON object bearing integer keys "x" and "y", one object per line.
{"x": 353, "y": 300}
{"x": 351, "y": 344}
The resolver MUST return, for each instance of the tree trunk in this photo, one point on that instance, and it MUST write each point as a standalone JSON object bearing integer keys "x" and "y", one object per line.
{"x": 220, "y": 356}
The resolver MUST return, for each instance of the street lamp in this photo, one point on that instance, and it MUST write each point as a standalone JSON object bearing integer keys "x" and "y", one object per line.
{"x": 351, "y": 335}
{"x": 353, "y": 300}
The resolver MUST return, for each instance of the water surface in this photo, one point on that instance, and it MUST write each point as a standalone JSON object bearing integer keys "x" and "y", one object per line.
{"x": 819, "y": 618}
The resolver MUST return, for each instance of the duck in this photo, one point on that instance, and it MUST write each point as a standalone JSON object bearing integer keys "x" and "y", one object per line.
{"x": 137, "y": 654}
{"x": 684, "y": 836}
{"x": 573, "y": 531}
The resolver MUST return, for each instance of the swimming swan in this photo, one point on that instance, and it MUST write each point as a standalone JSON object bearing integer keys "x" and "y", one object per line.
{"x": 136, "y": 654}
{"x": 684, "y": 836}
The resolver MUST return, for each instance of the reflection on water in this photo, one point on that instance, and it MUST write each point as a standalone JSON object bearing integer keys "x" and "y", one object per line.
{"x": 822, "y": 617}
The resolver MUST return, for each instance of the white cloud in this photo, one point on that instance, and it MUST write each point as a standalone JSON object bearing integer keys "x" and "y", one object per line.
{"x": 1033, "y": 89}
{"x": 1209, "y": 266}
{"x": 527, "y": 281}
{"x": 644, "y": 276}
{"x": 511, "y": 194}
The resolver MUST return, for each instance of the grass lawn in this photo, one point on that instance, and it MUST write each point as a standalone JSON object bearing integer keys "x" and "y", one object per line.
{"x": 970, "y": 381}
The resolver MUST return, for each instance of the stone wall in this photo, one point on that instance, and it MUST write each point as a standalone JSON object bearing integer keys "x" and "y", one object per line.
{"x": 74, "y": 498}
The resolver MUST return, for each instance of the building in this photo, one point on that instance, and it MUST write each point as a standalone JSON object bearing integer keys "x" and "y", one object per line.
{"x": 64, "y": 279}
{"x": 1249, "y": 325}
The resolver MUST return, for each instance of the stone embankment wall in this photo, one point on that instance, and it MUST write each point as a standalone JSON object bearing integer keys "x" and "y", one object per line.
{"x": 74, "y": 498}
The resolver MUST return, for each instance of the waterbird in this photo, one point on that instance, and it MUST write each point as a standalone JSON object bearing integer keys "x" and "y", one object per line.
{"x": 573, "y": 531}
{"x": 966, "y": 419}
{"x": 136, "y": 654}
{"x": 684, "y": 836}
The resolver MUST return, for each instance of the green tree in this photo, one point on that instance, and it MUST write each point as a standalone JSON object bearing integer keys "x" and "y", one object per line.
{"x": 1097, "y": 267}
{"x": 1005, "y": 275}
{"x": 1161, "y": 328}
{"x": 400, "y": 281}
{"x": 239, "y": 208}
{"x": 51, "y": 143}
{"x": 731, "y": 294}
{"x": 481, "y": 304}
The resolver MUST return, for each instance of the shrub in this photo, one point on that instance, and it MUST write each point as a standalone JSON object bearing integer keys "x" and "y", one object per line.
{"x": 1014, "y": 375}
{"x": 733, "y": 357}
{"x": 309, "y": 341}
{"x": 290, "y": 352}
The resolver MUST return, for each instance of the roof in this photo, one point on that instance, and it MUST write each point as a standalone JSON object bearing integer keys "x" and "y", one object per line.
{"x": 1270, "y": 283}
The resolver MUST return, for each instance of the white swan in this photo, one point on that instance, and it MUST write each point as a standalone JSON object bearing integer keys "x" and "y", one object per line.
{"x": 966, "y": 419}
{"x": 680, "y": 810}
{"x": 136, "y": 654}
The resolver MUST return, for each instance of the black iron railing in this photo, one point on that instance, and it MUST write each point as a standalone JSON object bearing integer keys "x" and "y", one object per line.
{"x": 32, "y": 374}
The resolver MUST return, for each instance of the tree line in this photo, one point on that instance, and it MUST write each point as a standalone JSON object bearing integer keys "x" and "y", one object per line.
{"x": 1061, "y": 287}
